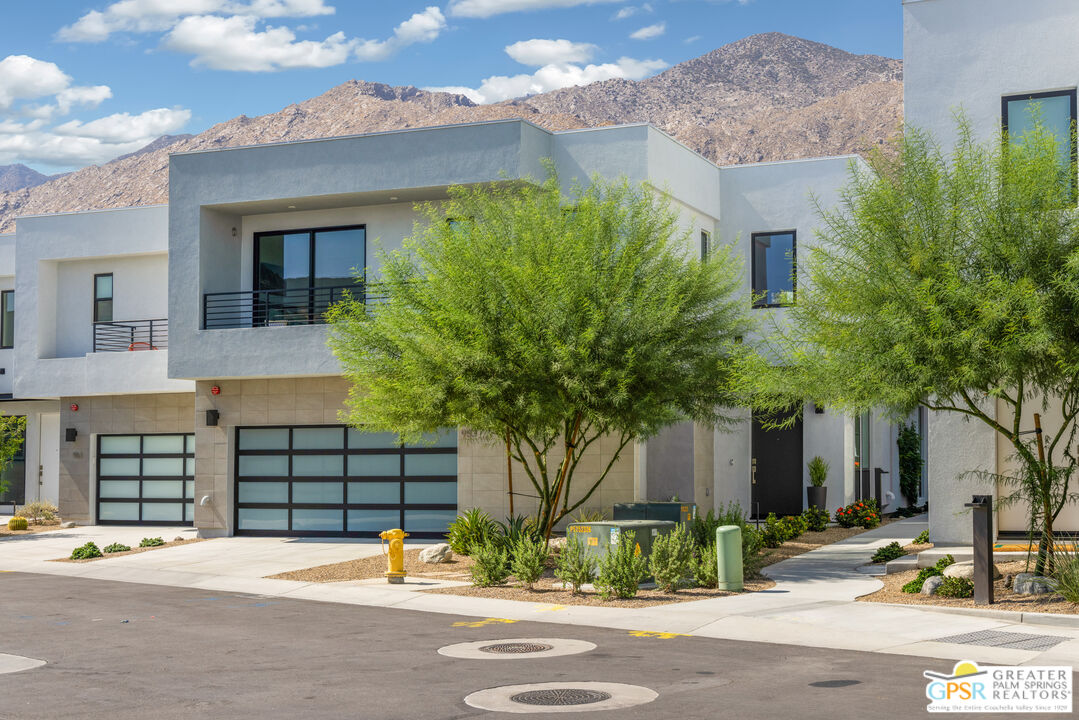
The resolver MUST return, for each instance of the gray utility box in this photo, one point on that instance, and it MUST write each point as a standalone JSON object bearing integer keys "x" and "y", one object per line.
{"x": 678, "y": 512}
{"x": 597, "y": 537}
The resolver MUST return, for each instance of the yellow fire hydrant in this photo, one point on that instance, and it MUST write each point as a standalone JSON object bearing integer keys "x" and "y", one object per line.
{"x": 395, "y": 558}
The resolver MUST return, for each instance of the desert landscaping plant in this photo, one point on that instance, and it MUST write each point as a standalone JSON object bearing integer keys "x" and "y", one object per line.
{"x": 915, "y": 585}
{"x": 816, "y": 519}
{"x": 574, "y": 565}
{"x": 85, "y": 552}
{"x": 923, "y": 538}
{"x": 954, "y": 587}
{"x": 1067, "y": 576}
{"x": 12, "y": 437}
{"x": 489, "y": 563}
{"x": 115, "y": 548}
{"x": 151, "y": 542}
{"x": 944, "y": 562}
{"x": 548, "y": 319}
{"x": 515, "y": 528}
{"x": 706, "y": 567}
{"x": 818, "y": 471}
{"x": 621, "y": 570}
{"x": 529, "y": 560}
{"x": 470, "y": 528}
{"x": 863, "y": 513}
{"x": 910, "y": 463}
{"x": 889, "y": 552}
{"x": 39, "y": 512}
{"x": 17, "y": 523}
{"x": 671, "y": 560}
{"x": 958, "y": 270}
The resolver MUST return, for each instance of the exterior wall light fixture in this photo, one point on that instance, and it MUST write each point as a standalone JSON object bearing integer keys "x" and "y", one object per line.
{"x": 70, "y": 434}
{"x": 212, "y": 416}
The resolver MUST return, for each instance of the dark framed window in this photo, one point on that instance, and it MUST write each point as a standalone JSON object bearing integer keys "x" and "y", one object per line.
{"x": 14, "y": 475}
{"x": 300, "y": 273}
{"x": 103, "y": 297}
{"x": 706, "y": 245}
{"x": 774, "y": 268}
{"x": 1057, "y": 112}
{"x": 7, "y": 319}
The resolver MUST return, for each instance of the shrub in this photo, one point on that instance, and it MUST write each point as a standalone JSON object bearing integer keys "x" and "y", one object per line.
{"x": 514, "y": 529}
{"x": 17, "y": 523}
{"x": 945, "y": 562}
{"x": 489, "y": 560}
{"x": 889, "y": 552}
{"x": 704, "y": 527}
{"x": 1067, "y": 576}
{"x": 923, "y": 538}
{"x": 39, "y": 511}
{"x": 151, "y": 542}
{"x": 818, "y": 471}
{"x": 816, "y": 519}
{"x": 529, "y": 560}
{"x": 116, "y": 547}
{"x": 773, "y": 534}
{"x": 575, "y": 566}
{"x": 915, "y": 585}
{"x": 864, "y": 513}
{"x": 622, "y": 568}
{"x": 89, "y": 550}
{"x": 954, "y": 587}
{"x": 585, "y": 515}
{"x": 470, "y": 528}
{"x": 752, "y": 557}
{"x": 671, "y": 561}
{"x": 706, "y": 567}
{"x": 794, "y": 525}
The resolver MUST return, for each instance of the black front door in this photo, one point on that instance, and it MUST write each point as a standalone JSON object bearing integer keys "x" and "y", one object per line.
{"x": 777, "y": 468}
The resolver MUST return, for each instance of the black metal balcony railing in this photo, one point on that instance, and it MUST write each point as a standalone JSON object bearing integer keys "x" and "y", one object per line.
{"x": 130, "y": 335}
{"x": 271, "y": 308}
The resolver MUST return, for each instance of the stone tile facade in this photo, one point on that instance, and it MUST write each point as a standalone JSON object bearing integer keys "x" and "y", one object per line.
{"x": 110, "y": 414}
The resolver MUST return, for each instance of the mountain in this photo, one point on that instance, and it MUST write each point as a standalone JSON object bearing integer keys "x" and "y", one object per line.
{"x": 766, "y": 97}
{"x": 15, "y": 177}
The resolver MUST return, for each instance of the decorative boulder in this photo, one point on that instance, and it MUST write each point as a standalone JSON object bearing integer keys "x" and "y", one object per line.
{"x": 929, "y": 587}
{"x": 436, "y": 554}
{"x": 1031, "y": 584}
{"x": 67, "y": 525}
{"x": 966, "y": 570}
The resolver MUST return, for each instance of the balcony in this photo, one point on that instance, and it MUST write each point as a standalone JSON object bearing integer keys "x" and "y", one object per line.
{"x": 131, "y": 335}
{"x": 278, "y": 308}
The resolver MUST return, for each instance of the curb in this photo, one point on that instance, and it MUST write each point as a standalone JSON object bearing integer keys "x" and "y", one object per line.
{"x": 1015, "y": 616}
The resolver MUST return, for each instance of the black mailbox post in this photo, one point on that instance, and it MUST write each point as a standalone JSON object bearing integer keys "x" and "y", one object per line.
{"x": 982, "y": 509}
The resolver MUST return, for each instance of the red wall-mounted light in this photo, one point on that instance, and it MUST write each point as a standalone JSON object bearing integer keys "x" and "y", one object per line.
{"x": 74, "y": 407}
{"x": 215, "y": 390}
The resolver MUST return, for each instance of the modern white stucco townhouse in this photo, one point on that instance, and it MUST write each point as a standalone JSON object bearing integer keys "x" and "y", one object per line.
{"x": 992, "y": 60}
{"x": 181, "y": 350}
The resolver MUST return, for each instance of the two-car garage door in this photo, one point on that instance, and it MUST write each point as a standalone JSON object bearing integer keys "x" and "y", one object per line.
{"x": 337, "y": 481}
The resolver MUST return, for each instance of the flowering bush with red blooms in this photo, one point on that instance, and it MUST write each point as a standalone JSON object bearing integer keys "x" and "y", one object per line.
{"x": 859, "y": 514}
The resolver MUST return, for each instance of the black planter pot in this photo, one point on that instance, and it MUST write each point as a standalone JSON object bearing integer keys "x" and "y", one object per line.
{"x": 817, "y": 496}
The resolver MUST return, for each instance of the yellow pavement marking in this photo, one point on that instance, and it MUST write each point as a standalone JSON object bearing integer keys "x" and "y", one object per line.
{"x": 654, "y": 634}
{"x": 551, "y": 608}
{"x": 481, "y": 623}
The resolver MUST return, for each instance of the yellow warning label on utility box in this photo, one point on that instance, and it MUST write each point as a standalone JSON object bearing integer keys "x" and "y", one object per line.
{"x": 593, "y": 541}
{"x": 580, "y": 528}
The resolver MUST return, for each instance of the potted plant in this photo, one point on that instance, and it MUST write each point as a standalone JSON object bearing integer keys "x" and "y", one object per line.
{"x": 816, "y": 493}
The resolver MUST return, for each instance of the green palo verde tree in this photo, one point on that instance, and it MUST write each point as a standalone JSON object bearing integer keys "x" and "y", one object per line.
{"x": 949, "y": 281}
{"x": 516, "y": 310}
{"x": 12, "y": 435}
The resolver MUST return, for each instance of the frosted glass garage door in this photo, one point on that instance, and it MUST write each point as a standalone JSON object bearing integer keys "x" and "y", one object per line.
{"x": 145, "y": 479}
{"x": 338, "y": 481}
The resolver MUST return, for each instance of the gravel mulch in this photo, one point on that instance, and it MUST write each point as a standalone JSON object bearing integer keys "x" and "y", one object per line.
{"x": 543, "y": 592}
{"x": 1004, "y": 598}
{"x": 31, "y": 530}
{"x": 132, "y": 551}
{"x": 375, "y": 567}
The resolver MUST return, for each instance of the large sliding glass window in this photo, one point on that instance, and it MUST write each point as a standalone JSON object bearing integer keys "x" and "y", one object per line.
{"x": 300, "y": 273}
{"x": 1056, "y": 111}
{"x": 773, "y": 269}
{"x": 7, "y": 319}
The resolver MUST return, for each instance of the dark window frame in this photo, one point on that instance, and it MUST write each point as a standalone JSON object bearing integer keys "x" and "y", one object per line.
{"x": 1071, "y": 94}
{"x": 311, "y": 232}
{"x": 753, "y": 267}
{"x": 140, "y": 500}
{"x": 111, "y": 298}
{"x": 401, "y": 450}
{"x": 4, "y": 295}
{"x": 706, "y": 245}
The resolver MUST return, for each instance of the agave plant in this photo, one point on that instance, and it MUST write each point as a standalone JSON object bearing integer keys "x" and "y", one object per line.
{"x": 471, "y": 527}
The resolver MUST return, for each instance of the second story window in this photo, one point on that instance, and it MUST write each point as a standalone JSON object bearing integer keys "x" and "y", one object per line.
{"x": 706, "y": 245}
{"x": 773, "y": 268}
{"x": 7, "y": 319}
{"x": 1055, "y": 110}
{"x": 103, "y": 297}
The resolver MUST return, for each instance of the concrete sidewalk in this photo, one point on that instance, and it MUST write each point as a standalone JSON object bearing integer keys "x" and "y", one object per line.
{"x": 812, "y": 603}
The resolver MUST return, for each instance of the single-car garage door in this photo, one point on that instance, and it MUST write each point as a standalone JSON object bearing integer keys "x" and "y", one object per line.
{"x": 145, "y": 479}
{"x": 336, "y": 481}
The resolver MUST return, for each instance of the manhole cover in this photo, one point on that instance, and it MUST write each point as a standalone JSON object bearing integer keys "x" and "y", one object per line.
{"x": 516, "y": 648}
{"x": 560, "y": 696}
{"x": 835, "y": 683}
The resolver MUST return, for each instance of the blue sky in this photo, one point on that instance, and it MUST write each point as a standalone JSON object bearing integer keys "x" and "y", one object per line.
{"x": 83, "y": 81}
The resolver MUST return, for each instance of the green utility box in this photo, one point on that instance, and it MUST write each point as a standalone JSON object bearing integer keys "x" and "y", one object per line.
{"x": 599, "y": 536}
{"x": 678, "y": 512}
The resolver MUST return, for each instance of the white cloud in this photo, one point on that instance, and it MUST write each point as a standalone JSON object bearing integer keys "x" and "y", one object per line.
{"x": 487, "y": 8}
{"x": 422, "y": 27}
{"x": 649, "y": 31}
{"x": 691, "y": 39}
{"x": 33, "y": 92}
{"x": 538, "y": 52}
{"x": 553, "y": 76}
{"x": 233, "y": 43}
{"x": 160, "y": 15}
{"x": 631, "y": 10}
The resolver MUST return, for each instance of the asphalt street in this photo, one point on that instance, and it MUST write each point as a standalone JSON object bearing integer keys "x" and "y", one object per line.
{"x": 121, "y": 650}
